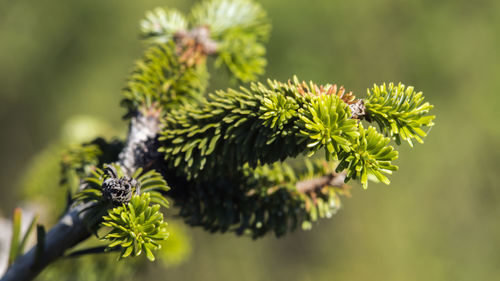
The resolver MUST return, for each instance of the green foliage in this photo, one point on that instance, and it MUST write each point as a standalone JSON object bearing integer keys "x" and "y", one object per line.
{"x": 162, "y": 79}
{"x": 216, "y": 143}
{"x": 160, "y": 25}
{"x": 136, "y": 227}
{"x": 41, "y": 184}
{"x": 225, "y": 152}
{"x": 257, "y": 125}
{"x": 15, "y": 240}
{"x": 173, "y": 70}
{"x": 55, "y": 173}
{"x": 327, "y": 122}
{"x": 263, "y": 200}
{"x": 370, "y": 155}
{"x": 225, "y": 15}
{"x": 27, "y": 235}
{"x": 153, "y": 183}
{"x": 78, "y": 161}
{"x": 240, "y": 28}
{"x": 149, "y": 182}
{"x": 174, "y": 251}
{"x": 320, "y": 200}
{"x": 242, "y": 55}
{"x": 81, "y": 158}
{"x": 399, "y": 111}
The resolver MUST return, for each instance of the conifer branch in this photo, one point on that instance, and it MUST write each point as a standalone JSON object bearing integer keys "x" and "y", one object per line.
{"x": 260, "y": 125}
{"x": 399, "y": 111}
{"x": 163, "y": 80}
{"x": 140, "y": 149}
{"x": 160, "y": 25}
{"x": 226, "y": 155}
{"x": 332, "y": 179}
{"x": 234, "y": 32}
{"x": 270, "y": 198}
{"x": 71, "y": 228}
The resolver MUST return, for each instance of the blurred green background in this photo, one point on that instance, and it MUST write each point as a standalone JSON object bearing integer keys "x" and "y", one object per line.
{"x": 438, "y": 220}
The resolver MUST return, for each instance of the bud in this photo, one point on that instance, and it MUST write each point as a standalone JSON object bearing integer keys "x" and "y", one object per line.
{"x": 118, "y": 190}
{"x": 358, "y": 110}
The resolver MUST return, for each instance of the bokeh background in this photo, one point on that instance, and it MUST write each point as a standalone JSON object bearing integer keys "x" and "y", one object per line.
{"x": 63, "y": 63}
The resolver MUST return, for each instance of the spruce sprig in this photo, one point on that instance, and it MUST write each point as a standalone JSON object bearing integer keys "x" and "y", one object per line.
{"x": 161, "y": 79}
{"x": 225, "y": 15}
{"x": 327, "y": 122}
{"x": 136, "y": 227}
{"x": 260, "y": 125}
{"x": 240, "y": 29}
{"x": 236, "y": 31}
{"x": 370, "y": 155}
{"x": 269, "y": 198}
{"x": 399, "y": 111}
{"x": 225, "y": 152}
{"x": 160, "y": 25}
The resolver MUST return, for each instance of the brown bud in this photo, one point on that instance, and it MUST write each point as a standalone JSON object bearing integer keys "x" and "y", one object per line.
{"x": 357, "y": 109}
{"x": 118, "y": 190}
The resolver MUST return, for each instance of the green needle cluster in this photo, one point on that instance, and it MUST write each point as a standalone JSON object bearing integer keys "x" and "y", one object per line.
{"x": 400, "y": 112}
{"x": 136, "y": 227}
{"x": 370, "y": 155}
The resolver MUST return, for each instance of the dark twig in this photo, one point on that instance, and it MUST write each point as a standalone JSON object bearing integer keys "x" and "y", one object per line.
{"x": 71, "y": 230}
{"x": 333, "y": 179}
